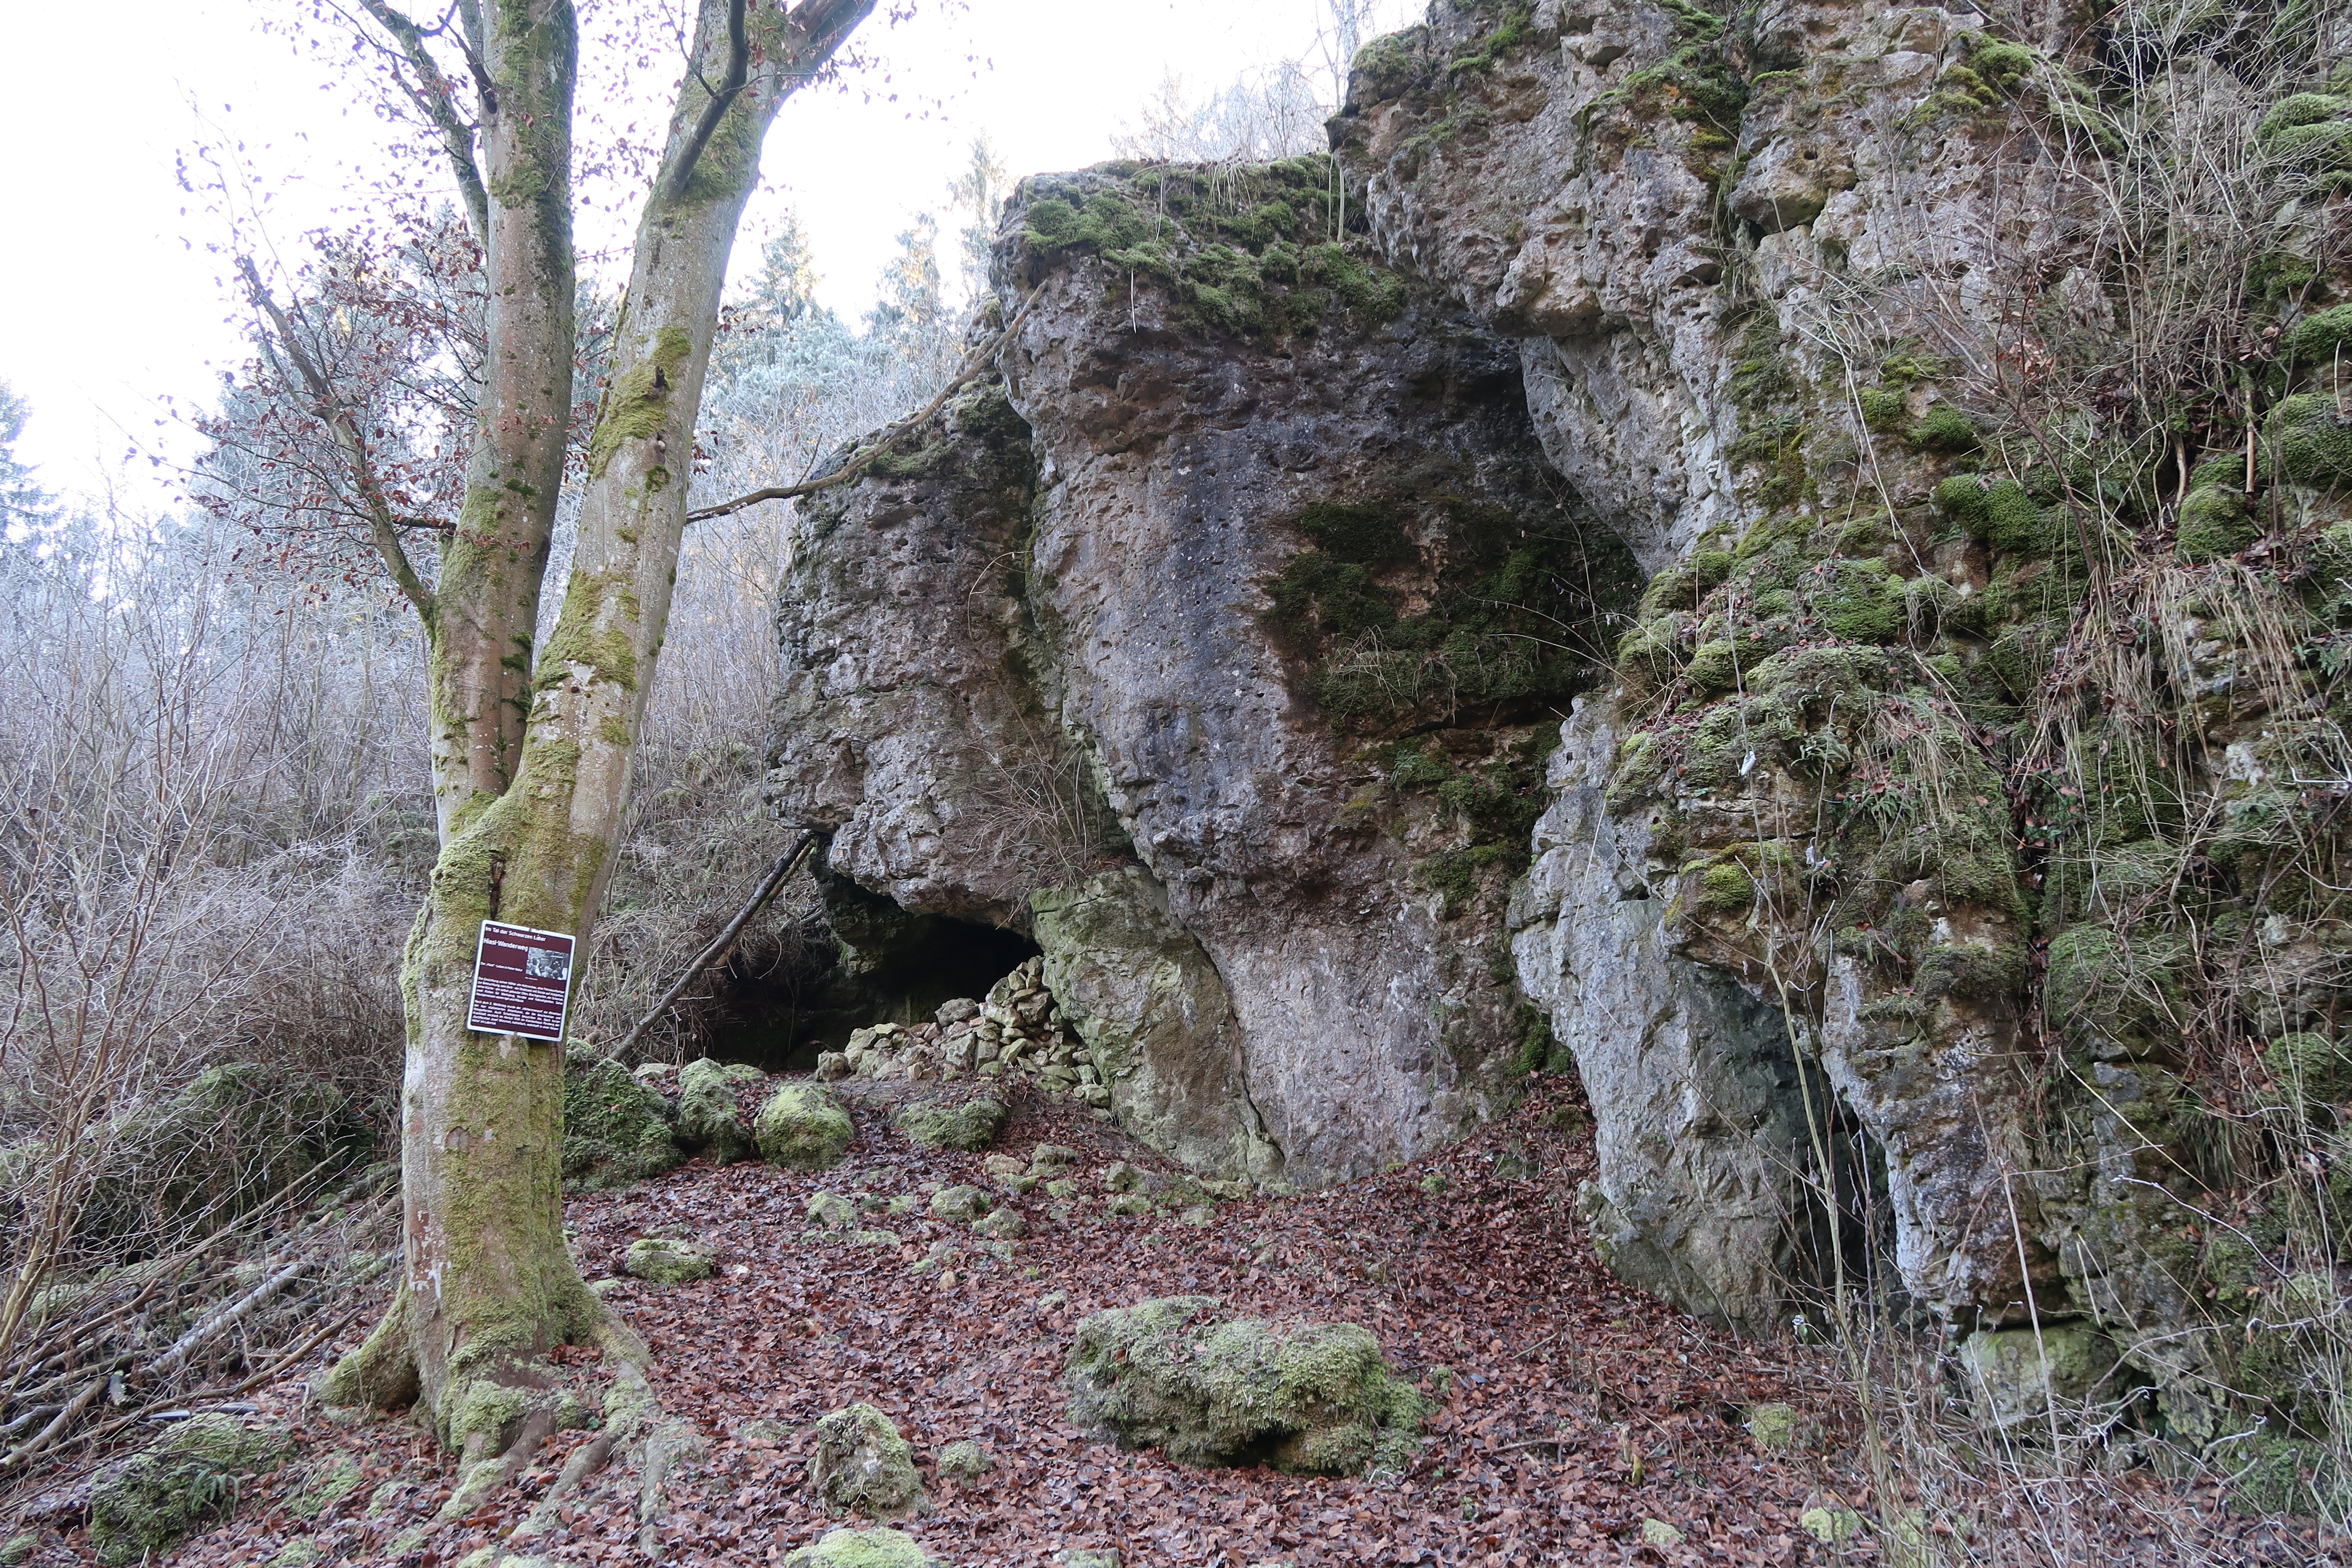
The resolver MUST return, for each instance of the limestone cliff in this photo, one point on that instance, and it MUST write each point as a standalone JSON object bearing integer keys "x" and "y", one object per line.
{"x": 1220, "y": 646}
{"x": 1931, "y": 875}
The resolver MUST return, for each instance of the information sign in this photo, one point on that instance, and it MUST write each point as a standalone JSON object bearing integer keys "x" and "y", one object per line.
{"x": 522, "y": 982}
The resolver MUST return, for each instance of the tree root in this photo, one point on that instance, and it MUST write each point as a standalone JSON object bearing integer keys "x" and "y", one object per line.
{"x": 648, "y": 1442}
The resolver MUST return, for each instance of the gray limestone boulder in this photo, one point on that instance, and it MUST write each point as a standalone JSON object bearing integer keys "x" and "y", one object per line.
{"x": 861, "y": 1465}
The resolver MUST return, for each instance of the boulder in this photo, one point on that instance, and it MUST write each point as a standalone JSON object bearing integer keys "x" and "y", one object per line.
{"x": 1308, "y": 1397}
{"x": 708, "y": 1116}
{"x": 2019, "y": 1373}
{"x": 832, "y": 1067}
{"x": 969, "y": 1125}
{"x": 962, "y": 1203}
{"x": 863, "y": 1466}
{"x": 1003, "y": 1225}
{"x": 966, "y": 1461}
{"x": 864, "y": 1549}
{"x": 187, "y": 1476}
{"x": 832, "y": 1211}
{"x": 617, "y": 1132}
{"x": 663, "y": 1261}
{"x": 803, "y": 1126}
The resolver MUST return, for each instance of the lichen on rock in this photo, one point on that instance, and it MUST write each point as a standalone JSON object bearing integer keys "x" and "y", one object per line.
{"x": 663, "y": 1260}
{"x": 1311, "y": 1397}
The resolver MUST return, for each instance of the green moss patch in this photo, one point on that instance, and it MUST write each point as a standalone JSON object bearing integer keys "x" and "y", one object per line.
{"x": 617, "y": 1132}
{"x": 190, "y": 1475}
{"x": 1246, "y": 250}
{"x": 804, "y": 1127}
{"x": 1310, "y": 1397}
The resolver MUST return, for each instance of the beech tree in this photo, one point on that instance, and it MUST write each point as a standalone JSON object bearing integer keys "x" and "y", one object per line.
{"x": 532, "y": 746}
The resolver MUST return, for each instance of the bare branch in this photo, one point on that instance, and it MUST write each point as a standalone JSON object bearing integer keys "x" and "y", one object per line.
{"x": 434, "y": 98}
{"x": 384, "y": 526}
{"x": 973, "y": 368}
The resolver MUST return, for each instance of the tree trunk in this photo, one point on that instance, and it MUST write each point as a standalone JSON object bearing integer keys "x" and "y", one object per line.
{"x": 489, "y": 1284}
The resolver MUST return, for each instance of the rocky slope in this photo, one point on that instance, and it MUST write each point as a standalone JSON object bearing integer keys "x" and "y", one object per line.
{"x": 1933, "y": 878}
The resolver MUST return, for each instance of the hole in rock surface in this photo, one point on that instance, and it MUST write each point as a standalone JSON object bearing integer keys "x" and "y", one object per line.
{"x": 863, "y": 960}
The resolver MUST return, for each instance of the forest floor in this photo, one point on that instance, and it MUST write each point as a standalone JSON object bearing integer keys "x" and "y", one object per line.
{"x": 1570, "y": 1409}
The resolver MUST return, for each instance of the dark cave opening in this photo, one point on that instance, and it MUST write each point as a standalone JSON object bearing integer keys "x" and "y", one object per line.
{"x": 861, "y": 960}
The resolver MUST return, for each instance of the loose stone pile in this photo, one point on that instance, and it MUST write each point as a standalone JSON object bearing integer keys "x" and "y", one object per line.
{"x": 1018, "y": 1029}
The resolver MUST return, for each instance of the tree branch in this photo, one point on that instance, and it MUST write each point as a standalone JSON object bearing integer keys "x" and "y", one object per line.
{"x": 439, "y": 105}
{"x": 739, "y": 74}
{"x": 382, "y": 525}
{"x": 973, "y": 368}
{"x": 777, "y": 876}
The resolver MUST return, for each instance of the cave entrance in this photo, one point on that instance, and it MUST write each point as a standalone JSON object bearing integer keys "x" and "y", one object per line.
{"x": 862, "y": 960}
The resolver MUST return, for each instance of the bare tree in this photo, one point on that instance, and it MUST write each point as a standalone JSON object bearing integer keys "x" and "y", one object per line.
{"x": 533, "y": 748}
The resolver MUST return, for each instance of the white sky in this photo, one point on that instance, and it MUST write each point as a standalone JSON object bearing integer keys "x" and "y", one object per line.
{"x": 114, "y": 303}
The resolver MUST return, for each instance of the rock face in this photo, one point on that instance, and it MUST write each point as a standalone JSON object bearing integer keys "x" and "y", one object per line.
{"x": 1311, "y": 1397}
{"x": 1871, "y": 865}
{"x": 1171, "y": 648}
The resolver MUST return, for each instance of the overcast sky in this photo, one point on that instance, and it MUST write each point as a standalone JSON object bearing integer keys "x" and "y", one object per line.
{"x": 114, "y": 303}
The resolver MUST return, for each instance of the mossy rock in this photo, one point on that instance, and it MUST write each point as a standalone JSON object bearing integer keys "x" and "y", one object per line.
{"x": 1944, "y": 428}
{"x": 2020, "y": 1373}
{"x": 189, "y": 1475}
{"x": 969, "y": 1125}
{"x": 708, "y": 1116}
{"x": 861, "y": 1465}
{"x": 2313, "y": 441}
{"x": 2311, "y": 1069}
{"x": 804, "y": 1127}
{"x": 661, "y": 1261}
{"x": 2279, "y": 1475}
{"x": 617, "y": 1132}
{"x": 1313, "y": 1399}
{"x": 864, "y": 1549}
{"x": 965, "y": 1462}
{"x": 2214, "y": 522}
{"x": 329, "y": 1483}
{"x": 2000, "y": 512}
{"x": 1774, "y": 1429}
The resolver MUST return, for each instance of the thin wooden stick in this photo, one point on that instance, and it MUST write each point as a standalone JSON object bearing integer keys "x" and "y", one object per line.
{"x": 777, "y": 874}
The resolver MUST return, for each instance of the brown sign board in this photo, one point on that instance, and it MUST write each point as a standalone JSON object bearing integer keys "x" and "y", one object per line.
{"x": 522, "y": 982}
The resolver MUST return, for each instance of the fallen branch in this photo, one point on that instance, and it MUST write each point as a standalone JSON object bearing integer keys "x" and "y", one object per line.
{"x": 777, "y": 874}
{"x": 216, "y": 1322}
{"x": 973, "y": 368}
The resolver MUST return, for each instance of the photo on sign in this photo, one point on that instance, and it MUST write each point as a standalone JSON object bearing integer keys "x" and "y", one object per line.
{"x": 546, "y": 963}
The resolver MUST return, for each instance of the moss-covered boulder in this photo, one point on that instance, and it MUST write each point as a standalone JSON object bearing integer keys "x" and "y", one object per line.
{"x": 969, "y": 1125}
{"x": 2019, "y": 1373}
{"x": 617, "y": 1132}
{"x": 961, "y": 1202}
{"x": 803, "y": 1126}
{"x": 863, "y": 1466}
{"x": 965, "y": 1462}
{"x": 1309, "y": 1397}
{"x": 864, "y": 1549}
{"x": 708, "y": 1117}
{"x": 191, "y": 1474}
{"x": 662, "y": 1261}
